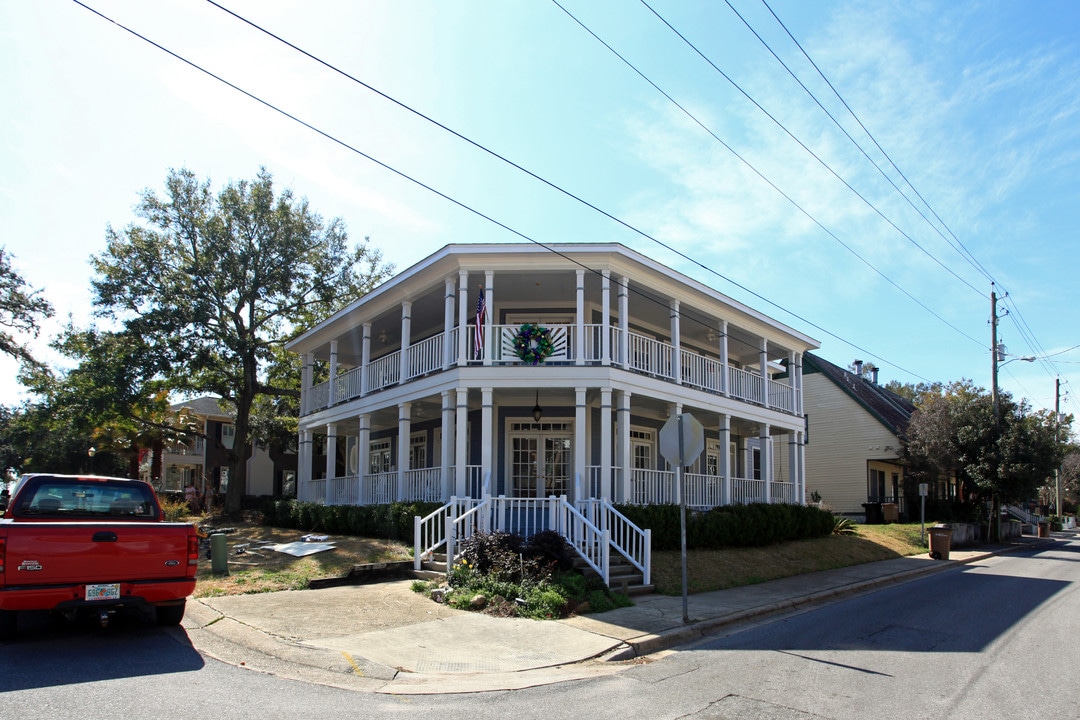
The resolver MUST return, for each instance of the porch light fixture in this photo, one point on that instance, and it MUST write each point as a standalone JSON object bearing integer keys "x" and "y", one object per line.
{"x": 538, "y": 412}
{"x": 383, "y": 337}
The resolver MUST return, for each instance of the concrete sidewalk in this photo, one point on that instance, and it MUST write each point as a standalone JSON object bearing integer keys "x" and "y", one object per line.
{"x": 385, "y": 638}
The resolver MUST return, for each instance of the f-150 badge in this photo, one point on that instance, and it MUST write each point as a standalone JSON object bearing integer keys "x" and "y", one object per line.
{"x": 30, "y": 565}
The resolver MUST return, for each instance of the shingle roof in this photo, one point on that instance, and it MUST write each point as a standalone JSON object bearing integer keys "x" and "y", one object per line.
{"x": 206, "y": 406}
{"x": 890, "y": 409}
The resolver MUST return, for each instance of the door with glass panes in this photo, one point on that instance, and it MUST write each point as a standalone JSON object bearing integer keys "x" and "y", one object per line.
{"x": 540, "y": 459}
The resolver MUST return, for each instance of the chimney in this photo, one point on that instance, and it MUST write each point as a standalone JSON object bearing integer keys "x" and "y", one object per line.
{"x": 873, "y": 374}
{"x": 858, "y": 367}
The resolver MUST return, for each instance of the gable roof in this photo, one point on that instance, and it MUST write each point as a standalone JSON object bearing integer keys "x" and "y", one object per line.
{"x": 891, "y": 410}
{"x": 207, "y": 406}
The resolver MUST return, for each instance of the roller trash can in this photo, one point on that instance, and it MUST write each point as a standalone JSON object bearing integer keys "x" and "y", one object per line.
{"x": 940, "y": 541}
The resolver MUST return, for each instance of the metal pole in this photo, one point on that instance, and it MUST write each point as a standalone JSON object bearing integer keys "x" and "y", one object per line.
{"x": 1057, "y": 427}
{"x": 682, "y": 525}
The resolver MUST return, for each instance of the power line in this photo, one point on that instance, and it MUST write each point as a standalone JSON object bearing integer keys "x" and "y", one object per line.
{"x": 769, "y": 182}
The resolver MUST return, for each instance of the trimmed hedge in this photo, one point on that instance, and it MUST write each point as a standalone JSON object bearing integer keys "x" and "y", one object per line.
{"x": 730, "y": 525}
{"x": 393, "y": 521}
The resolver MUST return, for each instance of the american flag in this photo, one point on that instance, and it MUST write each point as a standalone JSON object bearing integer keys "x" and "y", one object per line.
{"x": 481, "y": 310}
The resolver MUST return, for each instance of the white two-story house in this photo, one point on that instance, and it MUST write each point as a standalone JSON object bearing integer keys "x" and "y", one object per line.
{"x": 529, "y": 372}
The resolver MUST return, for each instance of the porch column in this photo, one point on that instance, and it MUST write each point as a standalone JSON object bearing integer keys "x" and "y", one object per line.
{"x": 363, "y": 454}
{"x": 579, "y": 443}
{"x": 579, "y": 320}
{"x": 365, "y": 359}
{"x": 487, "y": 435}
{"x": 802, "y": 467}
{"x": 622, "y": 418}
{"x": 331, "y": 392}
{"x": 766, "y": 461}
{"x": 463, "y": 318}
{"x": 723, "y": 464}
{"x": 725, "y": 374}
{"x": 406, "y": 338}
{"x": 676, "y": 486}
{"x": 676, "y": 344}
{"x": 624, "y": 321}
{"x": 448, "y": 324}
{"x": 793, "y": 382}
{"x": 605, "y": 490}
{"x": 331, "y": 454}
{"x": 461, "y": 451}
{"x": 746, "y": 459}
{"x": 798, "y": 384}
{"x": 793, "y": 464}
{"x": 447, "y": 449}
{"x": 404, "y": 424}
{"x": 763, "y": 361}
{"x": 605, "y": 328}
{"x": 303, "y": 467}
{"x": 489, "y": 299}
{"x": 307, "y": 382}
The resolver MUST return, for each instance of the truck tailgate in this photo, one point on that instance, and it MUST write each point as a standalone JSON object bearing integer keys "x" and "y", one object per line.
{"x": 86, "y": 552}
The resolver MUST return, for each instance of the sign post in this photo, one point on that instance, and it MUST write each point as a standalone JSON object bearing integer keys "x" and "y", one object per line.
{"x": 681, "y": 441}
{"x": 924, "y": 488}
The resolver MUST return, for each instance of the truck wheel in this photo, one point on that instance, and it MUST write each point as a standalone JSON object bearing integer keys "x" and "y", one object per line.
{"x": 170, "y": 614}
{"x": 7, "y": 624}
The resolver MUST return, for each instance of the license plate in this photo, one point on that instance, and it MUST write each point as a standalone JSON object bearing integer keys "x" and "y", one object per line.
{"x": 104, "y": 591}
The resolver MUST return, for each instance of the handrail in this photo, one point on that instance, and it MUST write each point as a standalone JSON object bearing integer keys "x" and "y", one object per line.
{"x": 463, "y": 526}
{"x": 632, "y": 542}
{"x": 591, "y": 543}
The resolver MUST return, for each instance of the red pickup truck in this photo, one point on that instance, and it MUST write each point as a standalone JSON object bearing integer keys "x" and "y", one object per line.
{"x": 76, "y": 544}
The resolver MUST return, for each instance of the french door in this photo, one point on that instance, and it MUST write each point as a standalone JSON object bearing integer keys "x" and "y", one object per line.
{"x": 540, "y": 459}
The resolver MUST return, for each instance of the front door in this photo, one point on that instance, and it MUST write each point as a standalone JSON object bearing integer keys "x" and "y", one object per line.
{"x": 540, "y": 459}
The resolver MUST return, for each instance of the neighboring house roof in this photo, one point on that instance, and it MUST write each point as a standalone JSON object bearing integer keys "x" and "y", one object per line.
{"x": 206, "y": 406}
{"x": 891, "y": 410}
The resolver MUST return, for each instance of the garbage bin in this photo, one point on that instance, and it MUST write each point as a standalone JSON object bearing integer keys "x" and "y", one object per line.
{"x": 890, "y": 512}
{"x": 940, "y": 541}
{"x": 1044, "y": 528}
{"x": 873, "y": 513}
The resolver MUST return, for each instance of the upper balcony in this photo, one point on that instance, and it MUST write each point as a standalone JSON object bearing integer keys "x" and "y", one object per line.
{"x": 643, "y": 355}
{"x": 604, "y": 305}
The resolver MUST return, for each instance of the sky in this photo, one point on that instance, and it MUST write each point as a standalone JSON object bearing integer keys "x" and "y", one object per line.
{"x": 864, "y": 172}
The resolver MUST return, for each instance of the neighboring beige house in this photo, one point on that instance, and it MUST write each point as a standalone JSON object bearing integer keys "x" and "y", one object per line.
{"x": 204, "y": 462}
{"x": 853, "y": 440}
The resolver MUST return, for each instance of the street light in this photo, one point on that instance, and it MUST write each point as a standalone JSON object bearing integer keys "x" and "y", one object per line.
{"x": 999, "y": 354}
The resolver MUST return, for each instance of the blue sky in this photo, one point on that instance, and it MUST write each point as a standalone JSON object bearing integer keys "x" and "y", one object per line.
{"x": 976, "y": 103}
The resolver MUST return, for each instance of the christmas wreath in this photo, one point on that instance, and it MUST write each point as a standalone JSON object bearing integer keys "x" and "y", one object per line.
{"x": 533, "y": 344}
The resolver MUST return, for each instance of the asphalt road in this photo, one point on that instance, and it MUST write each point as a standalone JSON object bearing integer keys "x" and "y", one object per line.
{"x": 993, "y": 639}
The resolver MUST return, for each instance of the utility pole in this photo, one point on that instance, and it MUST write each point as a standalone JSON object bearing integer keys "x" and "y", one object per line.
{"x": 994, "y": 353}
{"x": 1057, "y": 427}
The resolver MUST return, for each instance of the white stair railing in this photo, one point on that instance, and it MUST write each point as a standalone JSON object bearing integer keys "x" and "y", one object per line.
{"x": 625, "y": 537}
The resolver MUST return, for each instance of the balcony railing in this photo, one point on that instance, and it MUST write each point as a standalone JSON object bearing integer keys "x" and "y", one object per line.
{"x": 644, "y": 355}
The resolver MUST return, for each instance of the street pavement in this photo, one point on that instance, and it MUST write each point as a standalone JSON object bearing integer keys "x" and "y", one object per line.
{"x": 382, "y": 637}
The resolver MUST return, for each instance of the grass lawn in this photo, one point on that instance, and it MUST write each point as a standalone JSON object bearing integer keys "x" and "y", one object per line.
{"x": 257, "y": 570}
{"x": 718, "y": 569}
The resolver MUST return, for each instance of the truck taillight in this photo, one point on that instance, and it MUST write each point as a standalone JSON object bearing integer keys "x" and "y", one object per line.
{"x": 192, "y": 549}
{"x": 3, "y": 549}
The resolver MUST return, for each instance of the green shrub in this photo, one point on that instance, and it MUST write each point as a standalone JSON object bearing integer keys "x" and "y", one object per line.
{"x": 750, "y": 525}
{"x": 392, "y": 521}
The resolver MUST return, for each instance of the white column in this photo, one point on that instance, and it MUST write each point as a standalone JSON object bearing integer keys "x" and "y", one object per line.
{"x": 307, "y": 380}
{"x": 331, "y": 453}
{"x": 303, "y": 467}
{"x": 365, "y": 359}
{"x": 766, "y": 461}
{"x": 793, "y": 465}
{"x": 605, "y": 329}
{"x": 363, "y": 442}
{"x": 487, "y": 435}
{"x": 463, "y": 318}
{"x": 404, "y": 425}
{"x": 448, "y": 324}
{"x": 406, "y": 338}
{"x": 798, "y": 384}
{"x": 461, "y": 451}
{"x": 793, "y": 382}
{"x": 580, "y": 409}
{"x": 724, "y": 460}
{"x": 606, "y": 490}
{"x": 579, "y": 326}
{"x": 676, "y": 343}
{"x": 624, "y": 321}
{"x": 763, "y": 360}
{"x": 331, "y": 392}
{"x": 725, "y": 373}
{"x": 447, "y": 450}
{"x": 623, "y": 447}
{"x": 489, "y": 298}
{"x": 802, "y": 467}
